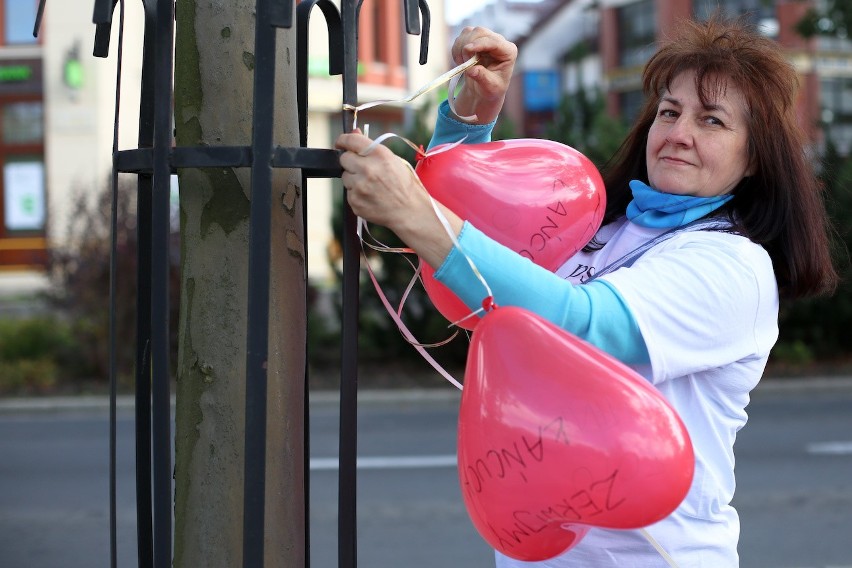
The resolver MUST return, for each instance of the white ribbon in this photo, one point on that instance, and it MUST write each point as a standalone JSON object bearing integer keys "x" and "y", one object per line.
{"x": 454, "y": 75}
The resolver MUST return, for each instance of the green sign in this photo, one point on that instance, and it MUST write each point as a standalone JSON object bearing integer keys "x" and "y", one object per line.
{"x": 318, "y": 66}
{"x": 73, "y": 73}
{"x": 15, "y": 73}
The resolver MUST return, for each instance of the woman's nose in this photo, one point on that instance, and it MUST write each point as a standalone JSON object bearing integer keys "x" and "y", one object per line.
{"x": 680, "y": 133}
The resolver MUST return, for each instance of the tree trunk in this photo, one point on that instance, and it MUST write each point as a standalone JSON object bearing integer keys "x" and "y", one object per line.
{"x": 213, "y": 106}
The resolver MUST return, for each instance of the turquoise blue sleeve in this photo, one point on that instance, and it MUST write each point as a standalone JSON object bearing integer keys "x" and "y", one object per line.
{"x": 595, "y": 311}
{"x": 448, "y": 129}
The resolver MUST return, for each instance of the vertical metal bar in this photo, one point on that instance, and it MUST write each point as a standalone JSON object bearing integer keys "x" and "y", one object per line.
{"x": 145, "y": 184}
{"x": 160, "y": 232}
{"x": 113, "y": 260}
{"x": 335, "y": 64}
{"x": 306, "y": 417}
{"x": 102, "y": 18}
{"x": 258, "y": 290}
{"x": 113, "y": 377}
{"x": 280, "y": 14}
{"x": 39, "y": 15}
{"x": 302, "y": 21}
{"x": 411, "y": 13}
{"x": 426, "y": 28}
{"x": 348, "y": 451}
{"x": 102, "y": 13}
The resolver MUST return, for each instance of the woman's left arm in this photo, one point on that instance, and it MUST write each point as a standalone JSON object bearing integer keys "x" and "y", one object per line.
{"x": 595, "y": 312}
{"x": 383, "y": 188}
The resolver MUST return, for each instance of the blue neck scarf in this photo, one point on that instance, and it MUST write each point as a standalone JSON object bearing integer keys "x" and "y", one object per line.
{"x": 657, "y": 210}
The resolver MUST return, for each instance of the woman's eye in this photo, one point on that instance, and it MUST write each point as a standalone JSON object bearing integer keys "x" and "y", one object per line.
{"x": 712, "y": 120}
{"x": 667, "y": 113}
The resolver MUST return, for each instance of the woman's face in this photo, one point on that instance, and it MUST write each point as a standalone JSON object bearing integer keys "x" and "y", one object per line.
{"x": 698, "y": 150}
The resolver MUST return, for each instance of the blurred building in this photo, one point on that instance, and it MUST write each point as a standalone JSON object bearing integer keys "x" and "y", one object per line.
{"x": 510, "y": 18}
{"x": 389, "y": 70}
{"x": 57, "y": 105}
{"x": 603, "y": 44}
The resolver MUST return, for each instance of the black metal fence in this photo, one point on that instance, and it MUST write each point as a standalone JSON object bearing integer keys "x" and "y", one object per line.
{"x": 154, "y": 161}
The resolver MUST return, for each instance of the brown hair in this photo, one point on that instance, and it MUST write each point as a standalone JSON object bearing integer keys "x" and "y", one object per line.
{"x": 780, "y": 206}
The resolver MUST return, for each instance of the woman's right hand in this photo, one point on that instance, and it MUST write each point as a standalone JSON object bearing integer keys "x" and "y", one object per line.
{"x": 485, "y": 84}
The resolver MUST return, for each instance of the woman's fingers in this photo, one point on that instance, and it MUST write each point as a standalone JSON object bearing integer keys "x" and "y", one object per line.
{"x": 382, "y": 188}
{"x": 492, "y": 48}
{"x": 352, "y": 142}
{"x": 490, "y": 85}
{"x": 487, "y": 82}
{"x": 376, "y": 181}
{"x": 494, "y": 51}
{"x": 352, "y": 161}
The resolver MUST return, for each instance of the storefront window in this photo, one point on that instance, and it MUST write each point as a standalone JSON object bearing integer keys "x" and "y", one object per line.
{"x": 23, "y": 122}
{"x": 836, "y": 102}
{"x": 638, "y": 27}
{"x": 18, "y": 21}
{"x": 753, "y": 10}
{"x": 24, "y": 207}
{"x": 631, "y": 103}
{"x": 23, "y": 185}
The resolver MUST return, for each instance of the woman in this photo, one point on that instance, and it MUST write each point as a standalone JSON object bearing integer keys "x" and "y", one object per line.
{"x": 715, "y": 177}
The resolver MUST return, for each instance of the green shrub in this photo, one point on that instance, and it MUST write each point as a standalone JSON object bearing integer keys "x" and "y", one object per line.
{"x": 80, "y": 274}
{"x": 33, "y": 338}
{"x": 33, "y": 354}
{"x": 822, "y": 324}
{"x": 582, "y": 122}
{"x": 794, "y": 353}
{"x": 27, "y": 376}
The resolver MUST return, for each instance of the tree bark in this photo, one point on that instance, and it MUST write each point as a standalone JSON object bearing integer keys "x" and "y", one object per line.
{"x": 213, "y": 106}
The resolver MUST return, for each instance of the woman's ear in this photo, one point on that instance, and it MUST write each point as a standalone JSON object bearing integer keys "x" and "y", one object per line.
{"x": 751, "y": 169}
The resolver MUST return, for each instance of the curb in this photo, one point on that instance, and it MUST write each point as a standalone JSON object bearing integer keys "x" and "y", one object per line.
{"x": 822, "y": 383}
{"x": 126, "y": 403}
{"x": 86, "y": 403}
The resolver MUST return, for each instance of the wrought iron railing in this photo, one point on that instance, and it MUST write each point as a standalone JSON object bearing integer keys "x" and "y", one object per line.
{"x": 154, "y": 161}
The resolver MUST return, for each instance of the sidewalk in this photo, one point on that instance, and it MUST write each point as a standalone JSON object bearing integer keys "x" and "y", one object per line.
{"x": 371, "y": 396}
{"x": 22, "y": 284}
{"x": 21, "y": 294}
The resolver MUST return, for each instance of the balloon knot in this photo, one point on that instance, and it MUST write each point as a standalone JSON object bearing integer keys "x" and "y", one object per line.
{"x": 488, "y": 304}
{"x": 421, "y": 153}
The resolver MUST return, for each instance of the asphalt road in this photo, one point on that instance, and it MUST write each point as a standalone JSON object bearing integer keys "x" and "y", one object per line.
{"x": 794, "y": 467}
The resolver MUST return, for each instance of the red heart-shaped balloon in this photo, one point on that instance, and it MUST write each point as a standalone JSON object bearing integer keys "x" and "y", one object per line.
{"x": 540, "y": 198}
{"x": 555, "y": 436}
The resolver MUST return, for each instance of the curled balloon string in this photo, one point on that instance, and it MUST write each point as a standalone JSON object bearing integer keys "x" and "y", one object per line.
{"x": 379, "y": 246}
{"x": 402, "y": 301}
{"x": 488, "y": 302}
{"x": 421, "y": 153}
{"x": 381, "y": 139}
{"x": 451, "y": 98}
{"x": 383, "y": 248}
{"x": 396, "y": 314}
{"x": 362, "y": 228}
{"x": 658, "y": 547}
{"x": 454, "y": 75}
{"x": 406, "y": 333}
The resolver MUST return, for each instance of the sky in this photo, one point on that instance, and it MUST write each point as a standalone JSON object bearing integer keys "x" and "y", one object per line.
{"x": 457, "y": 10}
